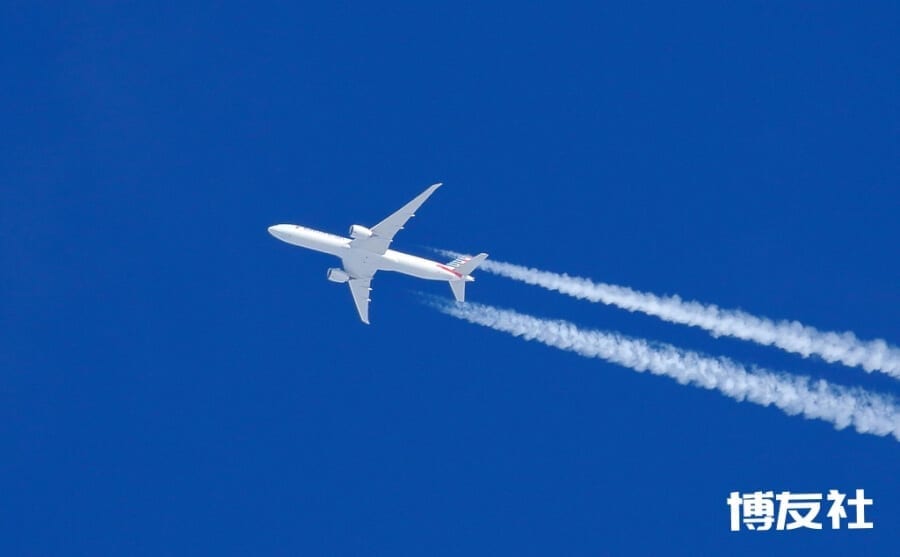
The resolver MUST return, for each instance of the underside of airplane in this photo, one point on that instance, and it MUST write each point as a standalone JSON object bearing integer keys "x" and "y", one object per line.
{"x": 367, "y": 251}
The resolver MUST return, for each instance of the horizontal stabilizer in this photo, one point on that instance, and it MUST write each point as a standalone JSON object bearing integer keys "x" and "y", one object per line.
{"x": 459, "y": 290}
{"x": 465, "y": 265}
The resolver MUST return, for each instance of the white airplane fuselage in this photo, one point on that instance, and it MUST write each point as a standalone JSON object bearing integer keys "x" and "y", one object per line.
{"x": 367, "y": 251}
{"x": 361, "y": 261}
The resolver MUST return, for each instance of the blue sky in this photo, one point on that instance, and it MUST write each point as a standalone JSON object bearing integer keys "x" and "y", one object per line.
{"x": 176, "y": 381}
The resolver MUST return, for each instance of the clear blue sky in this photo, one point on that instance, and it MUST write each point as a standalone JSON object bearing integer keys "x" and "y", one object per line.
{"x": 177, "y": 382}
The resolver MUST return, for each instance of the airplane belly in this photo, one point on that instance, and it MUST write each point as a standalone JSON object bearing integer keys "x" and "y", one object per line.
{"x": 361, "y": 263}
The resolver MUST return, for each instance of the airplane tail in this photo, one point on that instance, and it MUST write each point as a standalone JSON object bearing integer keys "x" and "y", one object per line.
{"x": 459, "y": 290}
{"x": 464, "y": 266}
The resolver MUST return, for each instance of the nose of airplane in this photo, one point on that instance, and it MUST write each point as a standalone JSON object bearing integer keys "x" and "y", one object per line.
{"x": 277, "y": 230}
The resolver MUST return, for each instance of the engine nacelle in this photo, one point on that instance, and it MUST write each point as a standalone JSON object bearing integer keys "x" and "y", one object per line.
{"x": 338, "y": 275}
{"x": 357, "y": 231}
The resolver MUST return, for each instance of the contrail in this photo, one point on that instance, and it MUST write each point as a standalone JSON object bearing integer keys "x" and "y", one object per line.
{"x": 866, "y": 412}
{"x": 791, "y": 336}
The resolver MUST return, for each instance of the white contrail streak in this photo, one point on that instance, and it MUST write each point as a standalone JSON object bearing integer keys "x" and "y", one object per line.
{"x": 866, "y": 412}
{"x": 791, "y": 336}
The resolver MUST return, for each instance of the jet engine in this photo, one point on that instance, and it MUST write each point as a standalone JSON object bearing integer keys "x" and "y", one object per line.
{"x": 337, "y": 275}
{"x": 357, "y": 231}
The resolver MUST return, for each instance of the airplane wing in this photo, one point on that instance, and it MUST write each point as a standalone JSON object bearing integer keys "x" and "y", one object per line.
{"x": 383, "y": 232}
{"x": 360, "y": 288}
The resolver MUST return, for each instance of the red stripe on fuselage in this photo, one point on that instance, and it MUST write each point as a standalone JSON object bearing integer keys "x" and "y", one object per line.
{"x": 448, "y": 269}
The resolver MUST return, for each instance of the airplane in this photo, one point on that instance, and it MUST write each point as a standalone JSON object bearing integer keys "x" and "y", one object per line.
{"x": 367, "y": 251}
